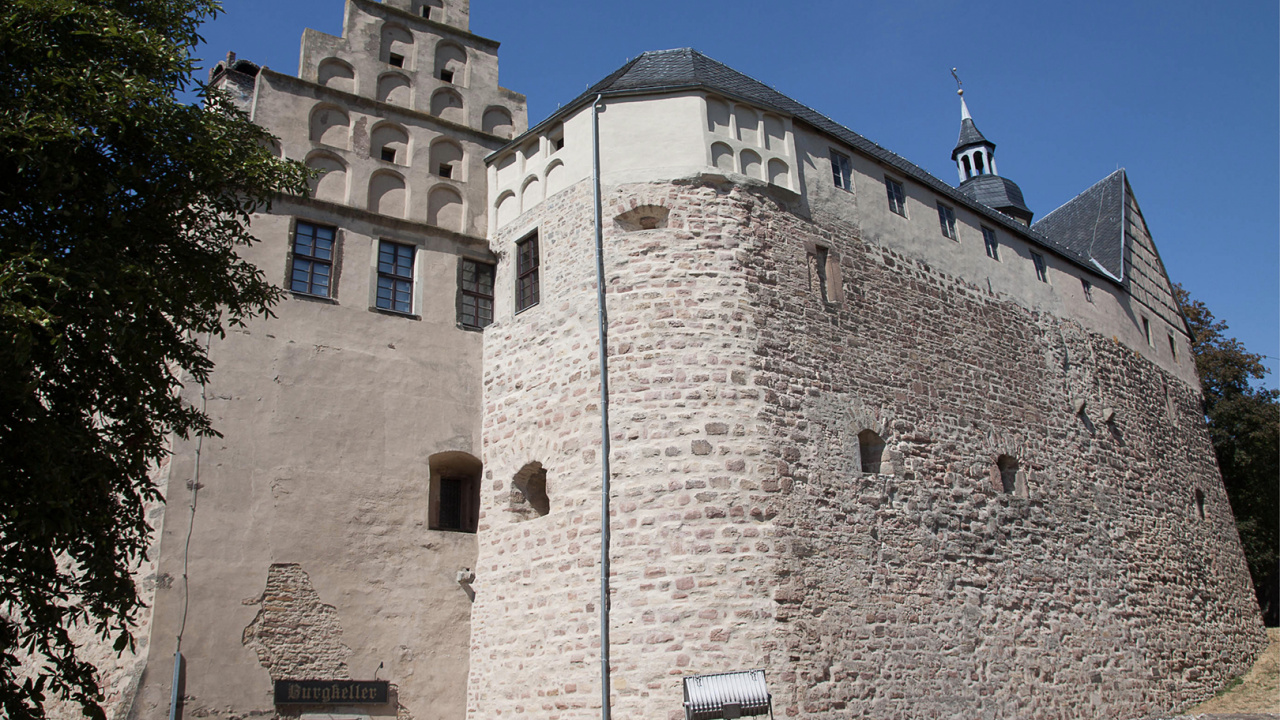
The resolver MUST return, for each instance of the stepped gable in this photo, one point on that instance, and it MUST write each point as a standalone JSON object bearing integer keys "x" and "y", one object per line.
{"x": 1091, "y": 224}
{"x": 686, "y": 68}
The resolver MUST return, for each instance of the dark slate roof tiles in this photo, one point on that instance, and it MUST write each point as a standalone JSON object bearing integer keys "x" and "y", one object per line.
{"x": 1091, "y": 224}
{"x": 969, "y": 136}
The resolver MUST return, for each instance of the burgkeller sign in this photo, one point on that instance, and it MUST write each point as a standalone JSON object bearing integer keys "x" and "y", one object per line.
{"x": 331, "y": 692}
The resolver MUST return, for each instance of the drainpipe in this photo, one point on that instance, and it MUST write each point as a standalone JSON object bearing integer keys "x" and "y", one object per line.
{"x": 603, "y": 317}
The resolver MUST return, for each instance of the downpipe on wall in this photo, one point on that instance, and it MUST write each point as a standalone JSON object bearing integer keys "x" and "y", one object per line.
{"x": 603, "y": 317}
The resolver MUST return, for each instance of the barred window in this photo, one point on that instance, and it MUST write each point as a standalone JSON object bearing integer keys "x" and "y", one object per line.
{"x": 475, "y": 290}
{"x": 897, "y": 197}
{"x": 527, "y": 273}
{"x": 312, "y": 269}
{"x": 841, "y": 171}
{"x": 989, "y": 239}
{"x": 395, "y": 277}
{"x": 947, "y": 219}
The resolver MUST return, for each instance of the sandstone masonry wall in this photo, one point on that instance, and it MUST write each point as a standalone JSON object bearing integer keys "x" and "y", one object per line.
{"x": 746, "y": 534}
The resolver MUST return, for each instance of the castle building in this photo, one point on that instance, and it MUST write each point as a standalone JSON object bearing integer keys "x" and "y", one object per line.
{"x": 883, "y": 437}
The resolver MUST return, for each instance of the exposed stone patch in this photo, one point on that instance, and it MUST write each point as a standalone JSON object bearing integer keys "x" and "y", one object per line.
{"x": 295, "y": 635}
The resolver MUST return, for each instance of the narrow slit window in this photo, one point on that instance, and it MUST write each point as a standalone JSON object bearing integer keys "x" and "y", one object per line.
{"x": 395, "y": 277}
{"x": 396, "y": 59}
{"x": 426, "y": 11}
{"x": 947, "y": 219}
{"x": 1088, "y": 289}
{"x": 870, "y": 451}
{"x": 1042, "y": 273}
{"x": 820, "y": 256}
{"x": 1146, "y": 330}
{"x": 897, "y": 196}
{"x": 992, "y": 245}
{"x": 1007, "y": 467}
{"x": 1173, "y": 347}
{"x": 527, "y": 266}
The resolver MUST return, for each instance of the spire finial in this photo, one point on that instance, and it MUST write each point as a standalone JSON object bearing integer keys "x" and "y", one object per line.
{"x": 964, "y": 108}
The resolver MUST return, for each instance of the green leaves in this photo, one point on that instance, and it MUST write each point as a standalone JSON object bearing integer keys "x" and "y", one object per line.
{"x": 1244, "y": 424}
{"x": 121, "y": 212}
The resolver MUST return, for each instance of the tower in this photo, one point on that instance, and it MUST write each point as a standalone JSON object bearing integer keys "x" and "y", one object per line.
{"x": 975, "y": 158}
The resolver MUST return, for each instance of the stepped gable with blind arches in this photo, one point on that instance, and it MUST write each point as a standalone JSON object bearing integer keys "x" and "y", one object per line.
{"x": 872, "y": 433}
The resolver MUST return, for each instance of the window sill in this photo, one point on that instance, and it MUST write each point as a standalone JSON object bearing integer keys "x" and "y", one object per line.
{"x": 531, "y": 307}
{"x": 313, "y": 298}
{"x": 393, "y": 313}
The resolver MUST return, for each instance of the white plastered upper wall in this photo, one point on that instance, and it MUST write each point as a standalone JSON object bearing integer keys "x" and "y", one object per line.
{"x": 686, "y": 134}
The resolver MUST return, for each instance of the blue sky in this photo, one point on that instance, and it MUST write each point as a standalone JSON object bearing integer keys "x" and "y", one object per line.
{"x": 1184, "y": 95}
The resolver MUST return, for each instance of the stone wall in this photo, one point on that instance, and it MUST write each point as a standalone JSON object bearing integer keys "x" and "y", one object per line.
{"x": 745, "y": 532}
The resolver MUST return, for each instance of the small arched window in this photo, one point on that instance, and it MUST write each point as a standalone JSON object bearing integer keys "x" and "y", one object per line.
{"x": 977, "y": 161}
{"x": 390, "y": 143}
{"x": 454, "y": 492}
{"x": 397, "y": 46}
{"x": 870, "y": 451}
{"x": 968, "y": 168}
{"x": 451, "y": 64}
{"x": 446, "y": 104}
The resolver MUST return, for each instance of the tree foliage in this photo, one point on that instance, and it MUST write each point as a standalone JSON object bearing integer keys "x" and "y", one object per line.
{"x": 121, "y": 210}
{"x": 1244, "y": 424}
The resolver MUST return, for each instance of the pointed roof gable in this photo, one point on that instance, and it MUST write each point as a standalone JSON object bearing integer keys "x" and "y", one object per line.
{"x": 1091, "y": 225}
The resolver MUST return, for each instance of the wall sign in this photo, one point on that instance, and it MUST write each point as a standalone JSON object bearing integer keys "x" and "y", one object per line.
{"x": 331, "y": 692}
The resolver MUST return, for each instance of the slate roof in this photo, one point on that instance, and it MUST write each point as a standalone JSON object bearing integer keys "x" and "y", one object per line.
{"x": 687, "y": 69}
{"x": 1091, "y": 224}
{"x": 1000, "y": 193}
{"x": 969, "y": 136}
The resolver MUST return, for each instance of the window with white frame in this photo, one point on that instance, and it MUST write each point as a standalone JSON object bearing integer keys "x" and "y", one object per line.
{"x": 1042, "y": 273}
{"x": 947, "y": 219}
{"x": 395, "y": 277}
{"x": 897, "y": 196}
{"x": 841, "y": 171}
{"x": 992, "y": 245}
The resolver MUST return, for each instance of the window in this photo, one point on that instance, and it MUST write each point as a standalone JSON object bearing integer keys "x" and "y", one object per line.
{"x": 396, "y": 59}
{"x": 395, "y": 277}
{"x": 1007, "y": 468}
{"x": 947, "y": 219}
{"x": 897, "y": 198}
{"x": 870, "y": 451}
{"x": 446, "y": 75}
{"x": 426, "y": 11}
{"x": 992, "y": 245}
{"x": 1088, "y": 289}
{"x": 1041, "y": 273}
{"x": 446, "y": 170}
{"x": 312, "y": 259}
{"x": 819, "y": 268}
{"x": 1173, "y": 347}
{"x": 1146, "y": 330}
{"x": 454, "y": 494}
{"x": 841, "y": 171}
{"x": 475, "y": 298}
{"x": 389, "y": 154}
{"x": 527, "y": 273}
{"x": 557, "y": 143}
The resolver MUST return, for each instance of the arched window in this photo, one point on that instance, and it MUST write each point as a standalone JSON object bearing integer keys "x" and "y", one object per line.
{"x": 977, "y": 161}
{"x": 870, "y": 451}
{"x": 451, "y": 64}
{"x": 454, "y": 492}
{"x": 397, "y": 46}
{"x": 390, "y": 143}
{"x": 446, "y": 159}
{"x": 968, "y": 169}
